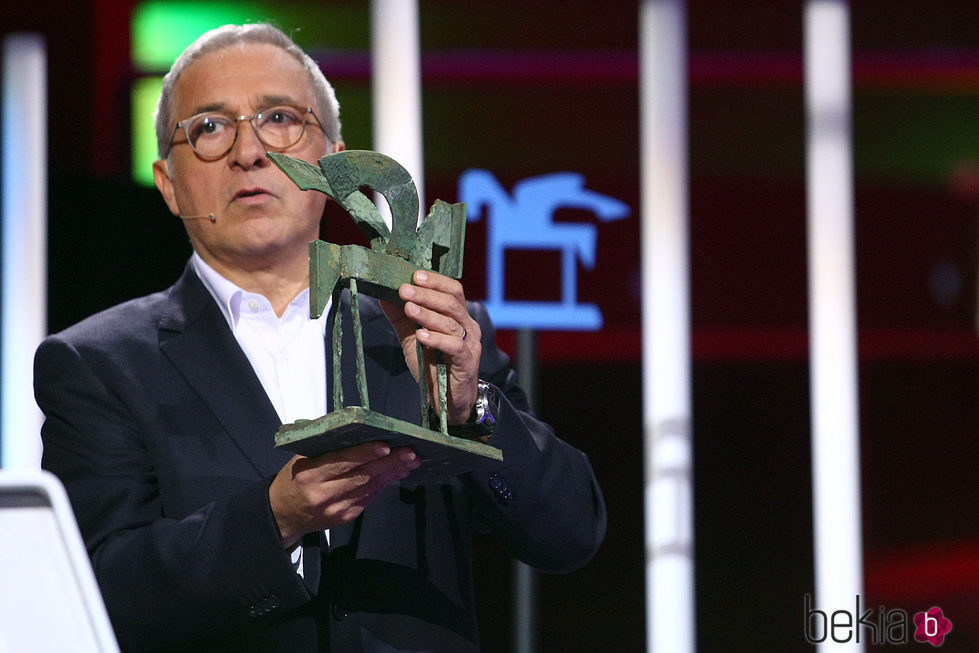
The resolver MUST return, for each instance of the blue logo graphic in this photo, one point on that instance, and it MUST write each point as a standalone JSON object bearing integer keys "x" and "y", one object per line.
{"x": 525, "y": 220}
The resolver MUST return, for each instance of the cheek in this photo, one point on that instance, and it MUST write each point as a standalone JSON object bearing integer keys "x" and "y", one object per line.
{"x": 313, "y": 203}
{"x": 194, "y": 187}
{"x": 307, "y": 211}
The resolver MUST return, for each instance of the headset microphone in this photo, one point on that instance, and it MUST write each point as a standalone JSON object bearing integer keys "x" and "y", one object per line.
{"x": 209, "y": 216}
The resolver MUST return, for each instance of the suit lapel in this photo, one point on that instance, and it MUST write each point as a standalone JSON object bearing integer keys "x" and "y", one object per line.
{"x": 196, "y": 339}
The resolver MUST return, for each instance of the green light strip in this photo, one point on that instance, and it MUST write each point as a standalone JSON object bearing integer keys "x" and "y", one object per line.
{"x": 145, "y": 92}
{"x": 161, "y": 30}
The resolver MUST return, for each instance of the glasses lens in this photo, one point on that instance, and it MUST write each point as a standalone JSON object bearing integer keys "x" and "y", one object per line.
{"x": 280, "y": 127}
{"x": 211, "y": 134}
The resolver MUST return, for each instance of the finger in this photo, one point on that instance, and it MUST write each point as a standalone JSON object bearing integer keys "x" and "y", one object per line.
{"x": 369, "y": 479}
{"x": 440, "y": 282}
{"x": 396, "y": 315}
{"x": 333, "y": 464}
{"x": 399, "y": 460}
{"x": 432, "y": 303}
{"x": 452, "y": 345}
{"x": 353, "y": 492}
{"x": 457, "y": 328}
{"x": 436, "y": 292}
{"x": 438, "y": 311}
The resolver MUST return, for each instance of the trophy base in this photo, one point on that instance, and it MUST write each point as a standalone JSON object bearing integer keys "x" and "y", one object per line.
{"x": 442, "y": 456}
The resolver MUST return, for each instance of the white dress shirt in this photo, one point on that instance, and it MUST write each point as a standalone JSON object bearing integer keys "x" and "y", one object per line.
{"x": 288, "y": 353}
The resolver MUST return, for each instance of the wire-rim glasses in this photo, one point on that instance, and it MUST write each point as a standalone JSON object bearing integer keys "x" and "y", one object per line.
{"x": 212, "y": 134}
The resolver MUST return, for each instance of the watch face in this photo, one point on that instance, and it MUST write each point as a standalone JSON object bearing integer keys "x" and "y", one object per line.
{"x": 481, "y": 407}
{"x": 486, "y": 403}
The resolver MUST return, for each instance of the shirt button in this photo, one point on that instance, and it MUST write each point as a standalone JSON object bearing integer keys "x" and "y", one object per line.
{"x": 253, "y": 304}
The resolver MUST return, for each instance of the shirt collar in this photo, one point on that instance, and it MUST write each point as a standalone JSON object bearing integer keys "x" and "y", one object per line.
{"x": 229, "y": 296}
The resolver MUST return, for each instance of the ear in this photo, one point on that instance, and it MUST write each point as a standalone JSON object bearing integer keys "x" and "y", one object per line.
{"x": 164, "y": 183}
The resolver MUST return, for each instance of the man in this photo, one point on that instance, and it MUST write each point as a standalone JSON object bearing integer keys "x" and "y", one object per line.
{"x": 160, "y": 412}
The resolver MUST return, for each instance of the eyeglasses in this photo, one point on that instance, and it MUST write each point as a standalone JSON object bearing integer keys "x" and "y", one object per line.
{"x": 212, "y": 134}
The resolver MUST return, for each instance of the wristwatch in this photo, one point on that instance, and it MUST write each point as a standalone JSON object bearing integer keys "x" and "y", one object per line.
{"x": 482, "y": 420}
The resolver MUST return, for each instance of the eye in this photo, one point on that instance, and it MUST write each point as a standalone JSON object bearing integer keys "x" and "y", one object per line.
{"x": 280, "y": 116}
{"x": 208, "y": 126}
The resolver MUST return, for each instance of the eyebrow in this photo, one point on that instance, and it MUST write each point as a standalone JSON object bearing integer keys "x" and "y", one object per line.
{"x": 269, "y": 100}
{"x": 207, "y": 108}
{"x": 263, "y": 101}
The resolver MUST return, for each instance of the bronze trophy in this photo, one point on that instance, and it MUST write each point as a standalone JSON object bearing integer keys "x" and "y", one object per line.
{"x": 393, "y": 257}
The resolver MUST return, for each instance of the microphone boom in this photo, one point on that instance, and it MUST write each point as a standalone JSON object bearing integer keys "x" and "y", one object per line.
{"x": 209, "y": 216}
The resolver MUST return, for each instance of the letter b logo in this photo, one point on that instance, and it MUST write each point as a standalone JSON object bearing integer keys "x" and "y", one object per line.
{"x": 932, "y": 626}
{"x": 815, "y": 629}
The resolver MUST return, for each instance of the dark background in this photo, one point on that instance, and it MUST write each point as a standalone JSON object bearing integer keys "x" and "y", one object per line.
{"x": 529, "y": 88}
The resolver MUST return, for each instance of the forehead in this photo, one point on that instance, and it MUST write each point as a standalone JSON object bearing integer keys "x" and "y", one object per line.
{"x": 241, "y": 78}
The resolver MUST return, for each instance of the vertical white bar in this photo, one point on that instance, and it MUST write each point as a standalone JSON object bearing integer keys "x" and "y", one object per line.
{"x": 23, "y": 314}
{"x": 670, "y": 610}
{"x": 396, "y": 81}
{"x": 832, "y": 314}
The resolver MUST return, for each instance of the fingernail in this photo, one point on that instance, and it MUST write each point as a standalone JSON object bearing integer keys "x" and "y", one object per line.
{"x": 408, "y": 291}
{"x": 408, "y": 456}
{"x": 421, "y": 276}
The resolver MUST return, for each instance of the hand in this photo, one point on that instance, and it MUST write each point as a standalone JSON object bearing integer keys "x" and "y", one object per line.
{"x": 313, "y": 494}
{"x": 435, "y": 315}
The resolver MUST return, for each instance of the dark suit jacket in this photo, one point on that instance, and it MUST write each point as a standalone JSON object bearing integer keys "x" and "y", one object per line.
{"x": 163, "y": 437}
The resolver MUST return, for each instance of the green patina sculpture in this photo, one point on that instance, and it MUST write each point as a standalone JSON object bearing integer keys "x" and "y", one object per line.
{"x": 394, "y": 256}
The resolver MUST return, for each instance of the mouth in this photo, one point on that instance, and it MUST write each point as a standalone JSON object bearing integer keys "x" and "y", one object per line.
{"x": 246, "y": 193}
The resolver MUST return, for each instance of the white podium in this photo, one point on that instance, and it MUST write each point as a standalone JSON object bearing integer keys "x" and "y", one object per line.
{"x": 49, "y": 600}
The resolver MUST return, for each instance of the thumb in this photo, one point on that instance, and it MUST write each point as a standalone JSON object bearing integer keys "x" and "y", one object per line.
{"x": 402, "y": 324}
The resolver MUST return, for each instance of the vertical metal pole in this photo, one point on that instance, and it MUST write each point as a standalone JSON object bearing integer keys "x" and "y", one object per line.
{"x": 670, "y": 609}
{"x": 396, "y": 81}
{"x": 23, "y": 314}
{"x": 524, "y": 577}
{"x": 832, "y": 314}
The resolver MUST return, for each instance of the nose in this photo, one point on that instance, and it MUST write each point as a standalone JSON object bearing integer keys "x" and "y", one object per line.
{"x": 247, "y": 151}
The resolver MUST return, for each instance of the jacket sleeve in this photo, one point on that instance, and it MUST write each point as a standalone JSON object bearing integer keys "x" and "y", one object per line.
{"x": 543, "y": 501}
{"x": 163, "y": 579}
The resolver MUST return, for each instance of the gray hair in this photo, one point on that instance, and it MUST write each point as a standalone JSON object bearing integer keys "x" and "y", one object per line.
{"x": 324, "y": 98}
